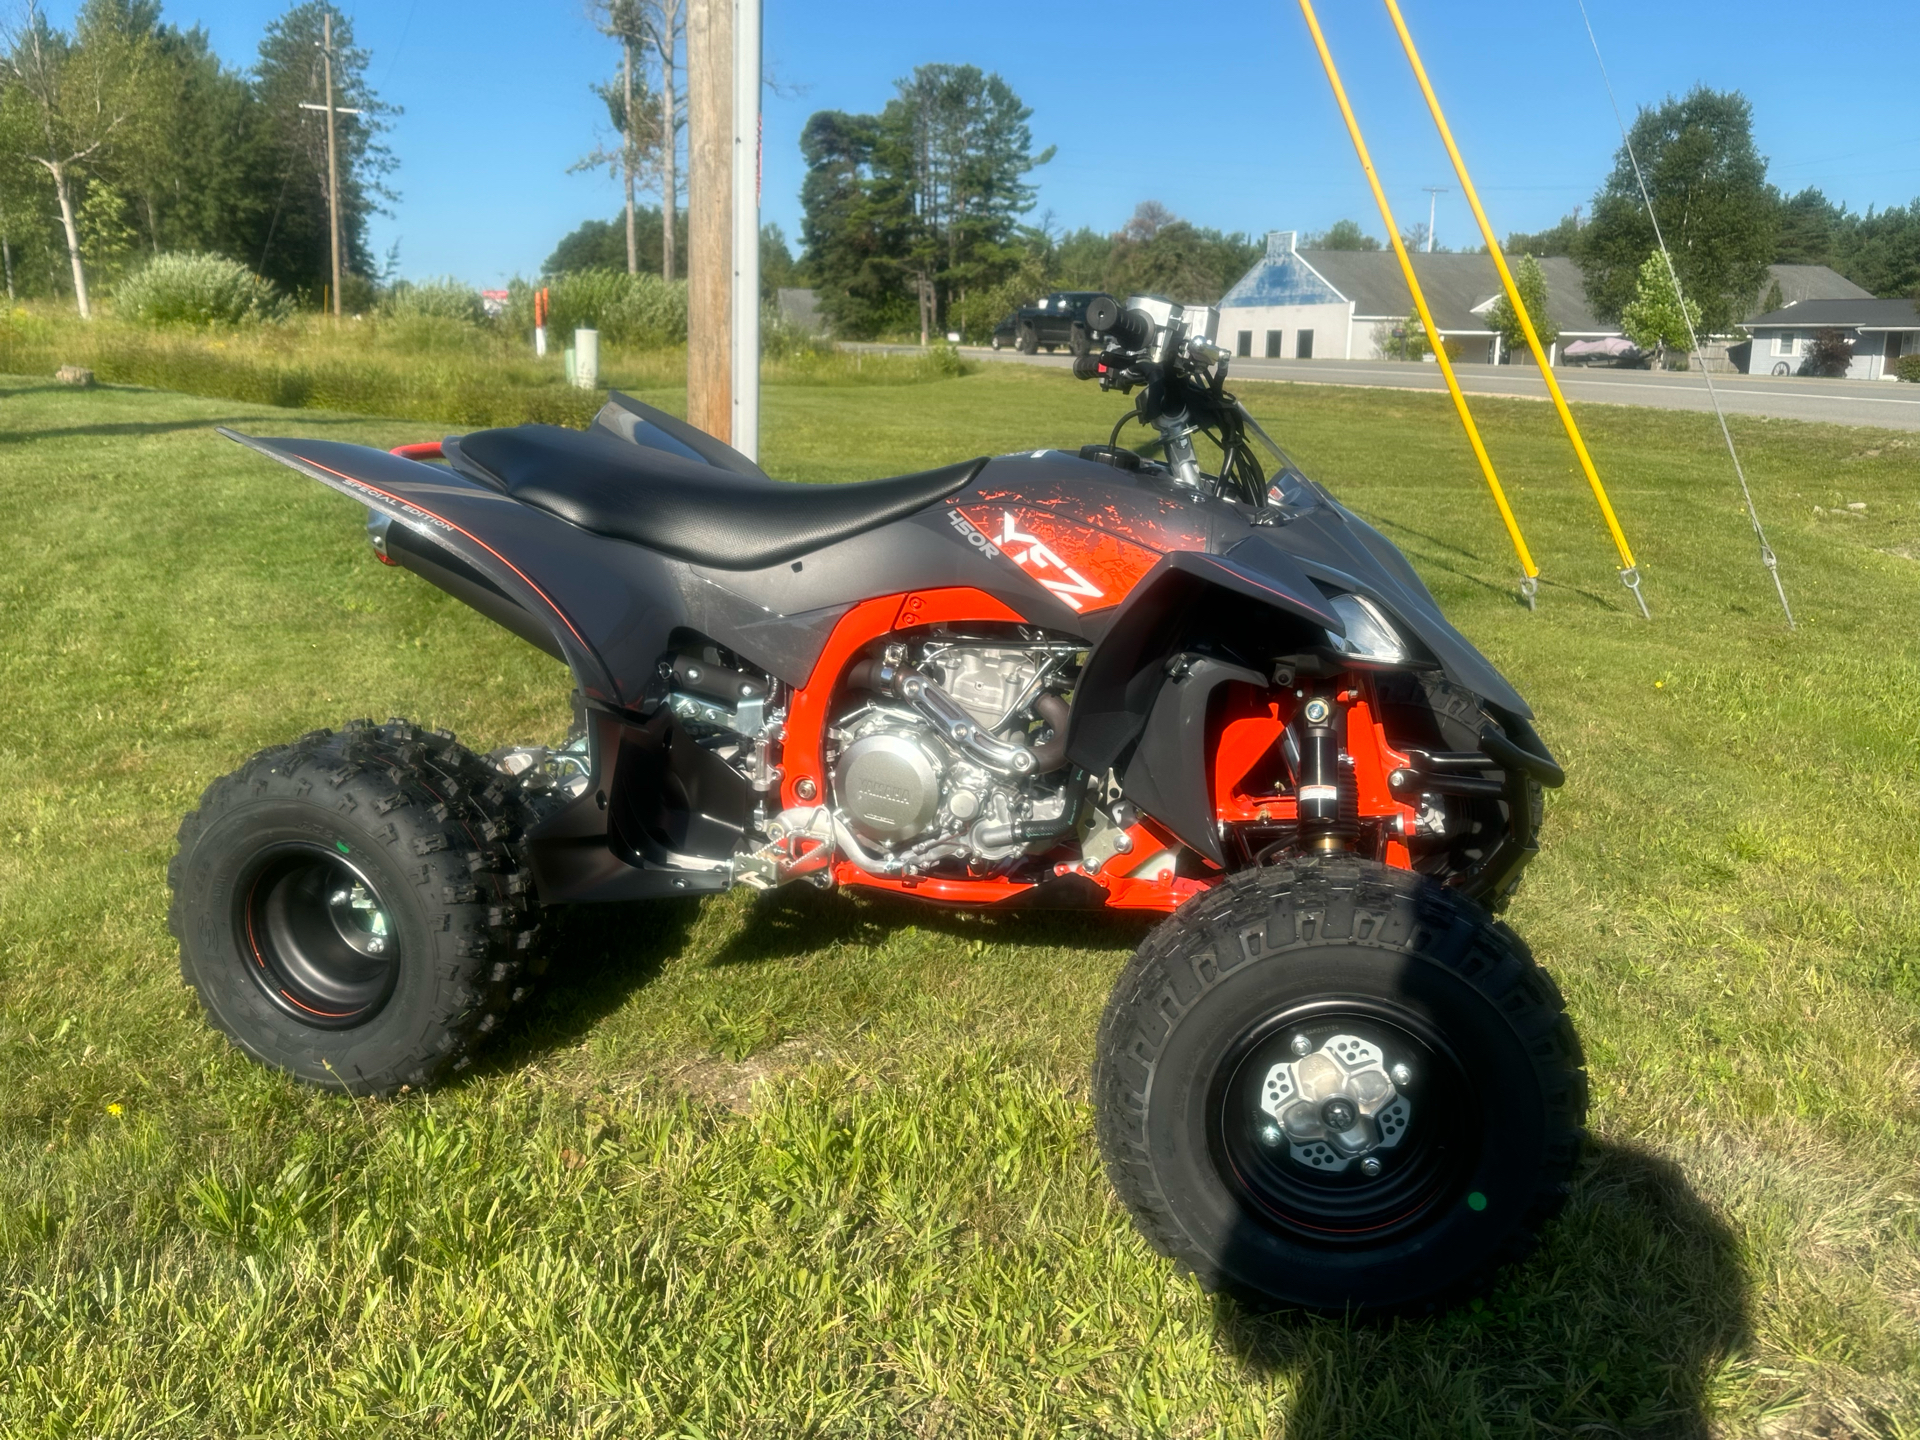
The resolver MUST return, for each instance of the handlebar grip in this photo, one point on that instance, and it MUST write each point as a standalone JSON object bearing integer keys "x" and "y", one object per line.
{"x": 1087, "y": 366}
{"x": 1132, "y": 328}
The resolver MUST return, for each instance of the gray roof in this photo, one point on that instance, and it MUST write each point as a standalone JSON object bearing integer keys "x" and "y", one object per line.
{"x": 1868, "y": 314}
{"x": 1453, "y": 284}
{"x": 1807, "y": 282}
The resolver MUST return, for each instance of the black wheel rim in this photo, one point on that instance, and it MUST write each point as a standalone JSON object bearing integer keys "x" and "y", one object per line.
{"x": 318, "y": 937}
{"x": 1424, "y": 1140}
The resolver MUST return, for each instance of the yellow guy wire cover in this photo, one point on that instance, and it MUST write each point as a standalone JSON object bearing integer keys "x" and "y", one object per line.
{"x": 1527, "y": 568}
{"x": 1629, "y": 572}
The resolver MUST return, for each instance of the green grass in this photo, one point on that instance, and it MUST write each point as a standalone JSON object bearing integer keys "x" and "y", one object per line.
{"x": 826, "y": 1167}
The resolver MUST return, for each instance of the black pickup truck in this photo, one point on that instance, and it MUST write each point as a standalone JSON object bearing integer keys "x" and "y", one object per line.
{"x": 1060, "y": 319}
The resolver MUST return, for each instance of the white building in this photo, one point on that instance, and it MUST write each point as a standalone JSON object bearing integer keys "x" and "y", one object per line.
{"x": 1344, "y": 304}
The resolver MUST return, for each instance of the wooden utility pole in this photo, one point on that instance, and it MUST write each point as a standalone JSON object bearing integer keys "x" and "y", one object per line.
{"x": 333, "y": 156}
{"x": 745, "y": 315}
{"x": 709, "y": 216}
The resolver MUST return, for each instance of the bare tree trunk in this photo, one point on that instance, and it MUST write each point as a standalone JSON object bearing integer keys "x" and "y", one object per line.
{"x": 65, "y": 192}
{"x": 670, "y": 144}
{"x": 6, "y": 252}
{"x": 626, "y": 153}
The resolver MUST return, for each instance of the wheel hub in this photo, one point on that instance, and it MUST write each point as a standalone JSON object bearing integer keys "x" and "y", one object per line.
{"x": 1335, "y": 1104}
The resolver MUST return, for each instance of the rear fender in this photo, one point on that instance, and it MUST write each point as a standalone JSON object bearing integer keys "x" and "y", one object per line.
{"x": 479, "y": 528}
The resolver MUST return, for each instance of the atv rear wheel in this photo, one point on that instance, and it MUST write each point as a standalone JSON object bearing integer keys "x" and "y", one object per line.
{"x": 354, "y": 909}
{"x": 1339, "y": 1086}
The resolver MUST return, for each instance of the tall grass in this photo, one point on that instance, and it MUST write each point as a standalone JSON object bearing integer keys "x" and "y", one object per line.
{"x": 411, "y": 361}
{"x": 641, "y": 310}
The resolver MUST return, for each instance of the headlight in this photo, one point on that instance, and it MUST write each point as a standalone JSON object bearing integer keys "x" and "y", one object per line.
{"x": 1370, "y": 635}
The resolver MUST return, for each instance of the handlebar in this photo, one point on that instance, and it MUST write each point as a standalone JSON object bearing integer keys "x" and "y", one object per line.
{"x": 1132, "y": 329}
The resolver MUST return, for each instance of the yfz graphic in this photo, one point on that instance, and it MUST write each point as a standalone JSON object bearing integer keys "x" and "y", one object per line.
{"x": 1181, "y": 680}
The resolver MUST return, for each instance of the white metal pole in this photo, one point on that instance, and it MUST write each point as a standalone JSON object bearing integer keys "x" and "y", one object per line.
{"x": 745, "y": 296}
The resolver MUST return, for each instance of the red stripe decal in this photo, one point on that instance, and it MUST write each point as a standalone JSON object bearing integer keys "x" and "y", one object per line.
{"x": 442, "y": 520}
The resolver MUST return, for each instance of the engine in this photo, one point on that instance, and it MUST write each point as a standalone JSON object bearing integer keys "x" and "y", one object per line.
{"x": 957, "y": 754}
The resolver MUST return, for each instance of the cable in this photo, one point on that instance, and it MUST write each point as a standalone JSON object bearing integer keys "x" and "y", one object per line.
{"x": 1767, "y": 556}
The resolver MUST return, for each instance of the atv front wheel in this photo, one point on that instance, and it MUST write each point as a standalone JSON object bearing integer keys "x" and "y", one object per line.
{"x": 353, "y": 909}
{"x": 1339, "y": 1086}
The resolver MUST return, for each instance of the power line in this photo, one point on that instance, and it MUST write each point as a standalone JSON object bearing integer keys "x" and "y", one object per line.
{"x": 1767, "y": 556}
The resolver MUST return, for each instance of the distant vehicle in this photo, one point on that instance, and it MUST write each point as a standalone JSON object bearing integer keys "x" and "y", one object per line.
{"x": 1060, "y": 319}
{"x": 1615, "y": 352}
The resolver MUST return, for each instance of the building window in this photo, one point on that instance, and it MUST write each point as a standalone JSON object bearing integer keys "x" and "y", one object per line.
{"x": 1303, "y": 347}
{"x": 1244, "y": 344}
{"x": 1784, "y": 343}
{"x": 1275, "y": 341}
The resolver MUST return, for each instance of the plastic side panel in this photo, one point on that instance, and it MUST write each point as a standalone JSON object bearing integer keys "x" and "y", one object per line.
{"x": 1125, "y": 673}
{"x": 610, "y": 607}
{"x": 1167, "y": 776}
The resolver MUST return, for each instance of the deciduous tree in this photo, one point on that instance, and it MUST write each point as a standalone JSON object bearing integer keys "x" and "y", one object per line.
{"x": 1341, "y": 235}
{"x": 1531, "y": 282}
{"x": 1656, "y": 318}
{"x": 1709, "y": 188}
{"x": 69, "y": 101}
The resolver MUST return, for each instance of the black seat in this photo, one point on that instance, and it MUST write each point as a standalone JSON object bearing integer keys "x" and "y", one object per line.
{"x": 683, "y": 507}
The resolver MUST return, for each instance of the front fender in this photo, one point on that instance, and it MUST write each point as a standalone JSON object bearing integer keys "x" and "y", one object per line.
{"x": 1126, "y": 670}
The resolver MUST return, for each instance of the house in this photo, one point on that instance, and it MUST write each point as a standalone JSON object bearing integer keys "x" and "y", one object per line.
{"x": 1345, "y": 304}
{"x": 1881, "y": 331}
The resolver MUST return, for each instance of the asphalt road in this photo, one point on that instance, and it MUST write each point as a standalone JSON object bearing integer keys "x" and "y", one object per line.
{"x": 1837, "y": 402}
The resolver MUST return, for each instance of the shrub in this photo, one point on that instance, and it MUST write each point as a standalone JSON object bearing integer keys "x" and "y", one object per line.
{"x": 443, "y": 299}
{"x": 639, "y": 310}
{"x": 199, "y": 289}
{"x": 1829, "y": 354}
{"x": 1907, "y": 367}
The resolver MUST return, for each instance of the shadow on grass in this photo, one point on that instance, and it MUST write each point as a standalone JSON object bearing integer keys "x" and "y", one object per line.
{"x": 125, "y": 428}
{"x": 798, "y": 919}
{"x": 1383, "y": 523}
{"x": 601, "y": 955}
{"x": 133, "y": 429}
{"x": 1618, "y": 1325}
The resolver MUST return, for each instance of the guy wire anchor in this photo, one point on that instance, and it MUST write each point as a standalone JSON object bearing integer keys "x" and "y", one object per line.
{"x": 1630, "y": 577}
{"x": 1529, "y": 589}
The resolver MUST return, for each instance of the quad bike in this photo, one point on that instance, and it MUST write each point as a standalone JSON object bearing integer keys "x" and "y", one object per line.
{"x": 1193, "y": 686}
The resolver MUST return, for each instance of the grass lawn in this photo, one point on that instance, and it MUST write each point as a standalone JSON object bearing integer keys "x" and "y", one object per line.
{"x": 825, "y": 1167}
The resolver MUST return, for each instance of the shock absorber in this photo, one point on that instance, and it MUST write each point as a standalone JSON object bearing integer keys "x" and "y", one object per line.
{"x": 1318, "y": 725}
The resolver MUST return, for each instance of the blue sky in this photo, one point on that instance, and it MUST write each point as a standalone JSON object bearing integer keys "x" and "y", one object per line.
{"x": 1217, "y": 109}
